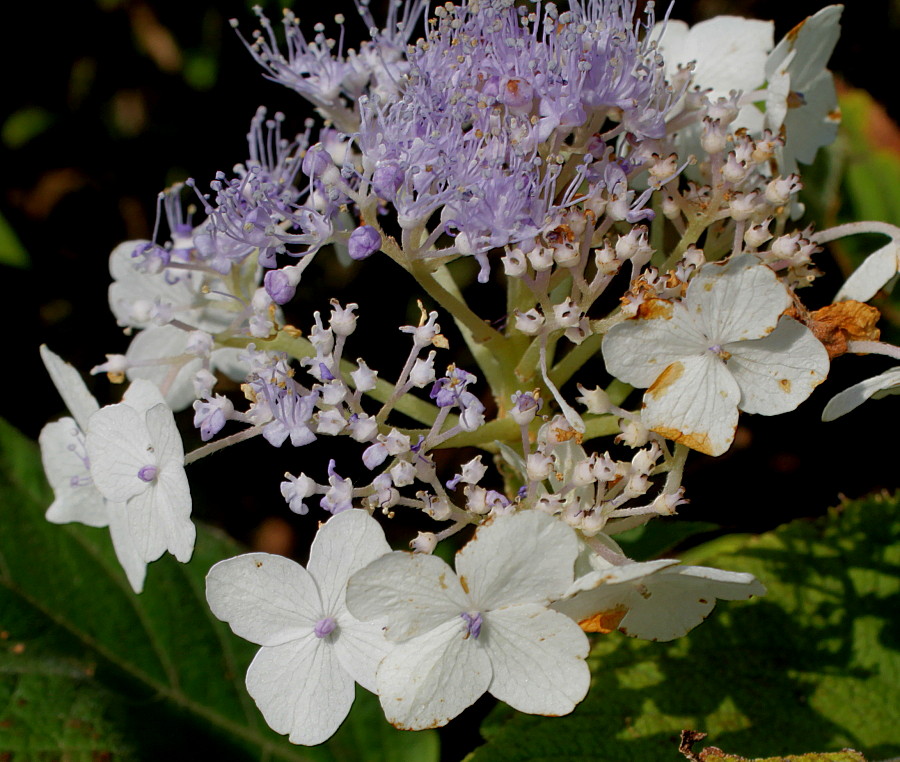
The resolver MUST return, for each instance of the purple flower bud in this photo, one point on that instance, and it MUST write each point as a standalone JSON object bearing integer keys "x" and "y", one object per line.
{"x": 316, "y": 161}
{"x": 387, "y": 179}
{"x": 281, "y": 285}
{"x": 364, "y": 242}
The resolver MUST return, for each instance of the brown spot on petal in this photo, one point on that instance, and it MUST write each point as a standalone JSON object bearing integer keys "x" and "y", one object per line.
{"x": 695, "y": 440}
{"x": 785, "y": 384}
{"x": 837, "y": 324}
{"x": 653, "y": 309}
{"x": 604, "y": 621}
{"x": 464, "y": 583}
{"x": 792, "y": 35}
{"x": 668, "y": 377}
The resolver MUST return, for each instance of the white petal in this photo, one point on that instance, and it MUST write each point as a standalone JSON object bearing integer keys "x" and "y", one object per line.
{"x": 175, "y": 380}
{"x": 360, "y": 647}
{"x": 76, "y": 497}
{"x": 813, "y": 125}
{"x": 778, "y": 88}
{"x": 417, "y": 592}
{"x": 172, "y": 510}
{"x": 853, "y": 397}
{"x": 695, "y": 402}
{"x": 427, "y": 681}
{"x": 344, "y": 545}
{"x": 266, "y": 599}
{"x": 601, "y": 592}
{"x": 639, "y": 350}
{"x": 777, "y": 373}
{"x": 538, "y": 659}
{"x": 172, "y": 493}
{"x": 739, "y": 300}
{"x": 524, "y": 557}
{"x": 301, "y": 689}
{"x": 126, "y": 550}
{"x": 677, "y": 599}
{"x": 227, "y": 360}
{"x": 119, "y": 446}
{"x": 730, "y": 52}
{"x": 872, "y": 275}
{"x": 71, "y": 387}
{"x": 121, "y": 263}
{"x": 142, "y": 395}
{"x": 805, "y": 50}
{"x": 148, "y": 532}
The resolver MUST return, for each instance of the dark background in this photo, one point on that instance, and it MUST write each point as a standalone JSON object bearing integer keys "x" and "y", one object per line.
{"x": 106, "y": 103}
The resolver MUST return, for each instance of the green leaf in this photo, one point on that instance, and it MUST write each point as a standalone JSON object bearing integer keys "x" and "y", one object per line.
{"x": 847, "y": 755}
{"x": 660, "y": 538}
{"x": 24, "y": 125}
{"x": 814, "y": 665}
{"x": 89, "y": 668}
{"x": 12, "y": 252}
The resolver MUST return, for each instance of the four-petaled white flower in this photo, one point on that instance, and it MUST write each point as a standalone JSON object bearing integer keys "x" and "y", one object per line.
{"x": 655, "y": 600}
{"x": 136, "y": 458}
{"x": 312, "y": 648}
{"x": 487, "y": 629}
{"x": 726, "y": 346}
{"x": 66, "y": 463}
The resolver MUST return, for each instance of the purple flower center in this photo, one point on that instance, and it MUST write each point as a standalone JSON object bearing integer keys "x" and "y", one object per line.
{"x": 148, "y": 473}
{"x": 473, "y": 624}
{"x": 324, "y": 627}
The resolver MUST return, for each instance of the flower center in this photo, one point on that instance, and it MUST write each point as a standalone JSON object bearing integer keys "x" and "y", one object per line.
{"x": 717, "y": 350}
{"x": 148, "y": 473}
{"x": 473, "y": 624}
{"x": 324, "y": 627}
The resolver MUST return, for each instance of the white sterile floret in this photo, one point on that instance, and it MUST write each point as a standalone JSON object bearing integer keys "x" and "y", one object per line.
{"x": 137, "y": 459}
{"x": 726, "y": 346}
{"x": 313, "y": 650}
{"x": 67, "y": 467}
{"x": 800, "y": 95}
{"x": 655, "y": 600}
{"x": 484, "y": 628}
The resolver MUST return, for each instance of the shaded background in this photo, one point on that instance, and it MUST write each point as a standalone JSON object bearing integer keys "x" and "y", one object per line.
{"x": 117, "y": 99}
